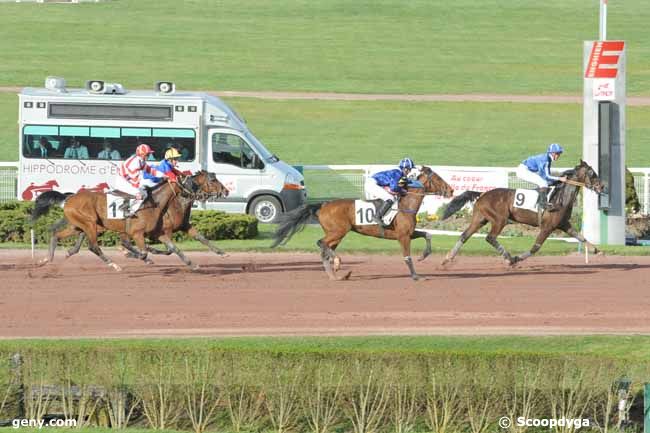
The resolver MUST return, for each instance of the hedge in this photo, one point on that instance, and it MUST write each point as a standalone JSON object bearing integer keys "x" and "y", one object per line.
{"x": 15, "y": 225}
{"x": 257, "y": 391}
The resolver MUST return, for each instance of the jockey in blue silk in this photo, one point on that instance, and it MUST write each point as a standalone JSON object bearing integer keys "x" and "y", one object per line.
{"x": 167, "y": 165}
{"x": 537, "y": 170}
{"x": 388, "y": 184}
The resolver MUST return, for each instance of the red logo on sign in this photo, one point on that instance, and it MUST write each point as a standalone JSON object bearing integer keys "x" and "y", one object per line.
{"x": 97, "y": 188}
{"x": 603, "y": 65}
{"x": 32, "y": 191}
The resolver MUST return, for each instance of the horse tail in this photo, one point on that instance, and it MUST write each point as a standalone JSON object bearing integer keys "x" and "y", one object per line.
{"x": 458, "y": 202}
{"x": 45, "y": 201}
{"x": 292, "y": 222}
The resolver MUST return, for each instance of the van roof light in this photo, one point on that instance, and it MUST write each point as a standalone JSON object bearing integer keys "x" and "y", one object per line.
{"x": 55, "y": 83}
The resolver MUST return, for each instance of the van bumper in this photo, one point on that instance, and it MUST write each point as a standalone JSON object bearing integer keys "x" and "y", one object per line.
{"x": 293, "y": 198}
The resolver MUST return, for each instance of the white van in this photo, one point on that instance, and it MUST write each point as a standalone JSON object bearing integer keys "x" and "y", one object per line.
{"x": 72, "y": 139}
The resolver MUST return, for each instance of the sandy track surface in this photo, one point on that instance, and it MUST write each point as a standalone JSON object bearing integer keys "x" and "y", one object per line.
{"x": 289, "y": 294}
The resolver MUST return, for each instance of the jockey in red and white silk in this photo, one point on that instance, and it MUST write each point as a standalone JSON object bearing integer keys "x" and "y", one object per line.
{"x": 129, "y": 177}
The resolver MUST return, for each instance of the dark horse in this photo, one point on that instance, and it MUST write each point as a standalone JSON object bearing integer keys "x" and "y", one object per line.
{"x": 337, "y": 218}
{"x": 496, "y": 207}
{"x": 86, "y": 212}
{"x": 176, "y": 217}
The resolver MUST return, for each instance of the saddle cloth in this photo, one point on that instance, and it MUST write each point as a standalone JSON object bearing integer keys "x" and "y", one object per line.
{"x": 528, "y": 198}
{"x": 365, "y": 211}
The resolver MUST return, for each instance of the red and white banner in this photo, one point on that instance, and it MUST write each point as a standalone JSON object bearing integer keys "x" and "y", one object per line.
{"x": 603, "y": 60}
{"x": 465, "y": 180}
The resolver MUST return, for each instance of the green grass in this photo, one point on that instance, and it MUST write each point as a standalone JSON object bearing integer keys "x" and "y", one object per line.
{"x": 631, "y": 346}
{"x": 513, "y": 46}
{"x": 443, "y": 133}
{"x": 354, "y": 243}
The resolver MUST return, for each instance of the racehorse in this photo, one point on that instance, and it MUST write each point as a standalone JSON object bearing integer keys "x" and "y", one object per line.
{"x": 86, "y": 212}
{"x": 337, "y": 218}
{"x": 176, "y": 218}
{"x": 497, "y": 207}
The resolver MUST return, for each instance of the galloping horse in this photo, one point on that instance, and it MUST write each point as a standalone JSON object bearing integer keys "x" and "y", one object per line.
{"x": 337, "y": 218}
{"x": 497, "y": 207}
{"x": 86, "y": 212}
{"x": 176, "y": 217}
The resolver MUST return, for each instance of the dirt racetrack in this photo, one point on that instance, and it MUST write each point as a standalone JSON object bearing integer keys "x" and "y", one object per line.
{"x": 289, "y": 294}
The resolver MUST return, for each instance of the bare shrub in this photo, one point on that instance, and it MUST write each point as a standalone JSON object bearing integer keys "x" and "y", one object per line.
{"x": 282, "y": 397}
{"x": 322, "y": 399}
{"x": 201, "y": 391}
{"x": 366, "y": 399}
{"x": 444, "y": 399}
{"x": 159, "y": 394}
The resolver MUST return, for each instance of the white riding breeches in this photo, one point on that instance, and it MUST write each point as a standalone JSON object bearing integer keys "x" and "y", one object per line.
{"x": 124, "y": 185}
{"x": 374, "y": 191}
{"x": 524, "y": 174}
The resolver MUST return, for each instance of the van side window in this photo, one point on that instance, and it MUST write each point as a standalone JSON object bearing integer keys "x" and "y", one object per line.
{"x": 104, "y": 142}
{"x": 233, "y": 150}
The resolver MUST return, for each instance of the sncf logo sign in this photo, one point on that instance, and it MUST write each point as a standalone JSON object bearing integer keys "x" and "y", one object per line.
{"x": 603, "y": 60}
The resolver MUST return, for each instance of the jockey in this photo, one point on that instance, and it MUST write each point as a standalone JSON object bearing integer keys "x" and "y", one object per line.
{"x": 388, "y": 184}
{"x": 129, "y": 178}
{"x": 166, "y": 166}
{"x": 537, "y": 170}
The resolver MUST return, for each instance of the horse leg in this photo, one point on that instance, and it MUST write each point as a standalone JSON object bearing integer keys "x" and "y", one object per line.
{"x": 133, "y": 251}
{"x": 91, "y": 233}
{"x": 568, "y": 229}
{"x": 327, "y": 256}
{"x": 541, "y": 237}
{"x": 140, "y": 246}
{"x": 57, "y": 235}
{"x": 405, "y": 242}
{"x": 77, "y": 246}
{"x": 478, "y": 221}
{"x": 427, "y": 238}
{"x": 199, "y": 237}
{"x": 171, "y": 247}
{"x": 491, "y": 238}
{"x": 153, "y": 250}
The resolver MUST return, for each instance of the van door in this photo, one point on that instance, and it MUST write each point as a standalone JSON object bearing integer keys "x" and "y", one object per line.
{"x": 236, "y": 165}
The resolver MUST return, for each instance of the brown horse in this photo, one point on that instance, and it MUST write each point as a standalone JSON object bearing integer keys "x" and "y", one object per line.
{"x": 87, "y": 212}
{"x": 337, "y": 218}
{"x": 497, "y": 207}
{"x": 177, "y": 217}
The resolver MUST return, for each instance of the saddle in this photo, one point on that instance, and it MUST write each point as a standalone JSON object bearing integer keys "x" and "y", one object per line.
{"x": 122, "y": 194}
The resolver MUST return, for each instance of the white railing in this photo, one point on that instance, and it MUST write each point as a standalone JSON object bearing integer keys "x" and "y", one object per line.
{"x": 347, "y": 181}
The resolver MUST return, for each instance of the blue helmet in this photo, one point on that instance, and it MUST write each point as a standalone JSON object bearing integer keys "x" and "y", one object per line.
{"x": 554, "y": 148}
{"x": 406, "y": 163}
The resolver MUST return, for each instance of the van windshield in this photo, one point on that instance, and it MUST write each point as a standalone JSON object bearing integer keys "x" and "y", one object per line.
{"x": 263, "y": 151}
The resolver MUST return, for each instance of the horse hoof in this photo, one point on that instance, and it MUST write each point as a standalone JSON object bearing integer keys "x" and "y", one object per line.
{"x": 148, "y": 261}
{"x": 422, "y": 257}
{"x": 416, "y": 277}
{"x": 195, "y": 267}
{"x": 336, "y": 263}
{"x": 116, "y": 267}
{"x": 42, "y": 262}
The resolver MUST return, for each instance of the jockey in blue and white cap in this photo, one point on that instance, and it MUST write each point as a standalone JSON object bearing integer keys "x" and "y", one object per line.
{"x": 388, "y": 184}
{"x": 537, "y": 170}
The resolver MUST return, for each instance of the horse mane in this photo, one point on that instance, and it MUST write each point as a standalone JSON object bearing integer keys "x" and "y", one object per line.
{"x": 563, "y": 190}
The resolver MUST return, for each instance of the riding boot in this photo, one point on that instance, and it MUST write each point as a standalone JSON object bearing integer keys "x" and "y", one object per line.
{"x": 385, "y": 207}
{"x": 134, "y": 208}
{"x": 542, "y": 203}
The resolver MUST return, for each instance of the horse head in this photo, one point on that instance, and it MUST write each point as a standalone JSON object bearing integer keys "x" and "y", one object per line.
{"x": 208, "y": 184}
{"x": 584, "y": 173}
{"x": 434, "y": 183}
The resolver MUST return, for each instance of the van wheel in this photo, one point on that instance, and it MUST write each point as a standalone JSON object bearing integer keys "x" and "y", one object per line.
{"x": 266, "y": 209}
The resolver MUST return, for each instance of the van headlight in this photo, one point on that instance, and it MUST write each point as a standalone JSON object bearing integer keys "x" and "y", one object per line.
{"x": 293, "y": 181}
